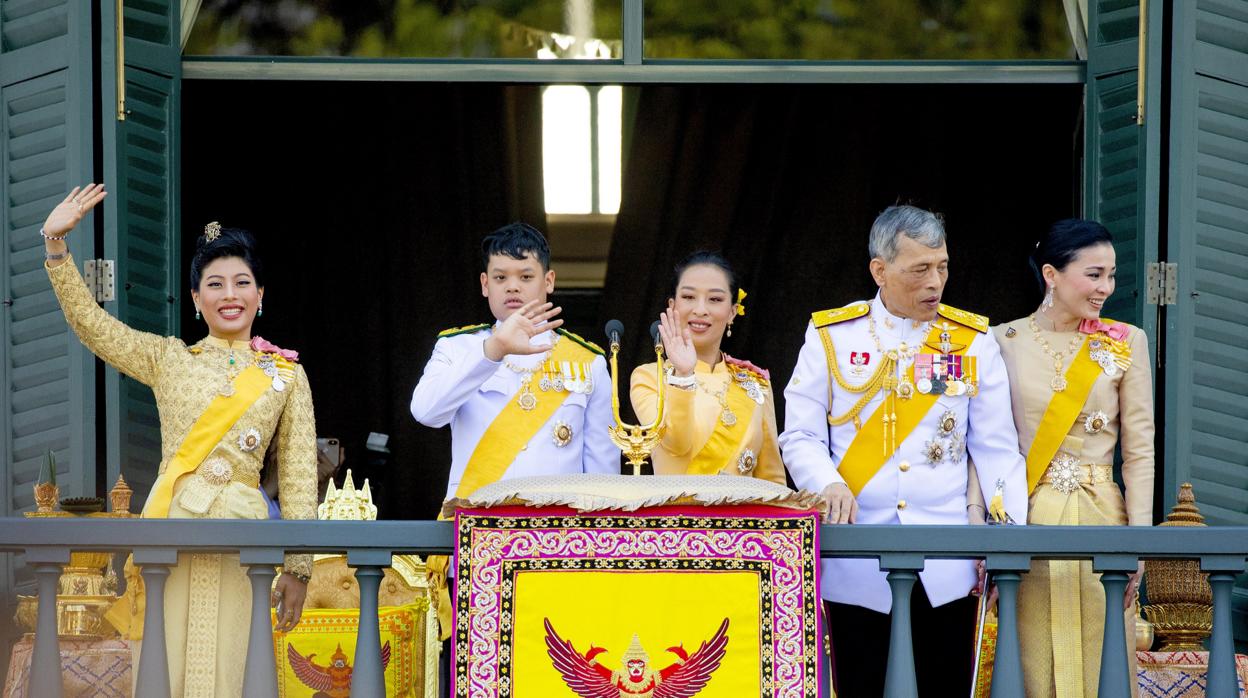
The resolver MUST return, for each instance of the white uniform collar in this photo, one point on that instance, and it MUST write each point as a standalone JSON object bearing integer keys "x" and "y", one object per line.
{"x": 893, "y": 329}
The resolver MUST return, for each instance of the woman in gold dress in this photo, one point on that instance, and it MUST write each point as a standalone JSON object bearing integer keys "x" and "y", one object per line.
{"x": 224, "y": 402}
{"x": 720, "y": 414}
{"x": 1080, "y": 386}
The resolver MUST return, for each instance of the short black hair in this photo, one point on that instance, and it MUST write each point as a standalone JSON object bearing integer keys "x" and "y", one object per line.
{"x": 707, "y": 257}
{"x": 1064, "y": 241}
{"x": 232, "y": 242}
{"x": 516, "y": 240}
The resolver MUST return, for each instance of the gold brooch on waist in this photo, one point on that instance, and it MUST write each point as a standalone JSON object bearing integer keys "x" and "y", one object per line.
{"x": 746, "y": 462}
{"x": 1064, "y": 473}
{"x": 1095, "y": 422}
{"x": 216, "y": 471}
{"x": 561, "y": 434}
{"x": 249, "y": 440}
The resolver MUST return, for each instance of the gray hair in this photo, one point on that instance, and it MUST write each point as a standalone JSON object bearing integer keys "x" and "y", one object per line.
{"x": 924, "y": 227}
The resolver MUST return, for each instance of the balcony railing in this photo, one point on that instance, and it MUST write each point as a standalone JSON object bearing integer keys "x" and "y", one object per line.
{"x": 368, "y": 546}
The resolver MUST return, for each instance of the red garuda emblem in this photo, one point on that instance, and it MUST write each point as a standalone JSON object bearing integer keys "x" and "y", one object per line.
{"x": 332, "y": 681}
{"x": 589, "y": 679}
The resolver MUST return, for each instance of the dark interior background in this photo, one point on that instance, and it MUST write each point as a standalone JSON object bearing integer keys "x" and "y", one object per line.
{"x": 371, "y": 198}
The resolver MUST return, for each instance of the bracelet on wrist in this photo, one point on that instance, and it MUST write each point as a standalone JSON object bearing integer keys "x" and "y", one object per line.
{"x": 55, "y": 257}
{"x": 681, "y": 381}
{"x": 51, "y": 237}
{"x": 305, "y": 578}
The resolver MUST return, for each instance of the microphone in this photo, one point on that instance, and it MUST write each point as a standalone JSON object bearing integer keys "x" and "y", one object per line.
{"x": 614, "y": 329}
{"x": 654, "y": 333}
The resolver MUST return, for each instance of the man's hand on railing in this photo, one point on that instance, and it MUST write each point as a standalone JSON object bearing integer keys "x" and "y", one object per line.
{"x": 1133, "y": 586}
{"x": 842, "y": 507}
{"x": 981, "y": 571}
{"x": 288, "y": 598}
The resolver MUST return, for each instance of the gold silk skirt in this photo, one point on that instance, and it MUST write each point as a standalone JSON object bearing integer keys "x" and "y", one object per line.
{"x": 1061, "y": 603}
{"x": 208, "y": 608}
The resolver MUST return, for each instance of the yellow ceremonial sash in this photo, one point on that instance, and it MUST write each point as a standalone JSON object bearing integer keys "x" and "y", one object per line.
{"x": 498, "y": 447}
{"x": 725, "y": 442}
{"x": 204, "y": 436}
{"x": 864, "y": 457}
{"x": 1060, "y": 415}
{"x": 512, "y": 429}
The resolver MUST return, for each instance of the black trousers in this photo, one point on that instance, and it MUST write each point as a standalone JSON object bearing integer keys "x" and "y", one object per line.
{"x": 944, "y": 647}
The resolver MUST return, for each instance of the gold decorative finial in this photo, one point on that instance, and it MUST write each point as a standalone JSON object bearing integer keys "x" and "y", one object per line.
{"x": 212, "y": 231}
{"x": 120, "y": 496}
{"x": 347, "y": 504}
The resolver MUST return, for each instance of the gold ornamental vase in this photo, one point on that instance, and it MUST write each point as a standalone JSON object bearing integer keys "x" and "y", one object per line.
{"x": 46, "y": 496}
{"x": 1180, "y": 600}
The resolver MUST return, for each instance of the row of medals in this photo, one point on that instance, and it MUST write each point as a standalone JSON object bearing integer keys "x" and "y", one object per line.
{"x": 954, "y": 387}
{"x": 573, "y": 377}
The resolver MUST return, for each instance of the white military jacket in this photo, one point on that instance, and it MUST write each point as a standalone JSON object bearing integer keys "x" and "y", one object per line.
{"x": 463, "y": 388}
{"x": 908, "y": 488}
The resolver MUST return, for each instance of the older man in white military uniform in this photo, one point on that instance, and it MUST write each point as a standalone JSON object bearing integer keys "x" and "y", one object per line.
{"x": 888, "y": 398}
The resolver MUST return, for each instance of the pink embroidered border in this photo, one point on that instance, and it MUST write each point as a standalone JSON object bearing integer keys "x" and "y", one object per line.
{"x": 786, "y": 541}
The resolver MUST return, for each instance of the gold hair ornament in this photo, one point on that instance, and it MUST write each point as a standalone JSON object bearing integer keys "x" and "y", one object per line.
{"x": 212, "y": 231}
{"x": 741, "y": 294}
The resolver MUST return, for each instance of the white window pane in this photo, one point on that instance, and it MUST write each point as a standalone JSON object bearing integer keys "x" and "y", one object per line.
{"x": 566, "y": 165}
{"x": 610, "y": 132}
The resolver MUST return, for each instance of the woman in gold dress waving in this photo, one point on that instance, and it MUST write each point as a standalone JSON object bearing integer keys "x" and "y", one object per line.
{"x": 720, "y": 415}
{"x": 225, "y": 403}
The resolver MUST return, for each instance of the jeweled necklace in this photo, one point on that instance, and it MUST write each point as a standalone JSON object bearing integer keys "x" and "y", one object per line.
{"x": 1058, "y": 383}
{"x": 726, "y": 415}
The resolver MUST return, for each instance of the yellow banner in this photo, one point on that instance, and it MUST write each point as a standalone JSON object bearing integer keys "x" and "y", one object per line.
{"x": 865, "y": 456}
{"x": 318, "y": 656}
{"x": 663, "y": 609}
{"x": 725, "y": 442}
{"x": 1060, "y": 415}
{"x": 204, "y": 436}
{"x": 513, "y": 428}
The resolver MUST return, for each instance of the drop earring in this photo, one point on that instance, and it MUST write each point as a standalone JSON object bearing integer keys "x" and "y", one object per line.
{"x": 730, "y": 329}
{"x": 260, "y": 310}
{"x": 1048, "y": 299}
{"x": 197, "y": 315}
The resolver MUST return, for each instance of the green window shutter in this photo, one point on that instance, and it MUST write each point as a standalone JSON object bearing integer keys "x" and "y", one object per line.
{"x": 48, "y": 392}
{"x": 143, "y": 229}
{"x": 1207, "y": 331}
{"x": 1207, "y": 350}
{"x": 1115, "y": 152}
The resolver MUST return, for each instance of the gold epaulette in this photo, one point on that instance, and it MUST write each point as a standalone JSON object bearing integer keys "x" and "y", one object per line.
{"x": 823, "y": 318}
{"x": 463, "y": 330}
{"x": 581, "y": 341}
{"x": 979, "y": 323}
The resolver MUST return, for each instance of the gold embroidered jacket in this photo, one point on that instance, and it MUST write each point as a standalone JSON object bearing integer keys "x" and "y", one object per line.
{"x": 185, "y": 380}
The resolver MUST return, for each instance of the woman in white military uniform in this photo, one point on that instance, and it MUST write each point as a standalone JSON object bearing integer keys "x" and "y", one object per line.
{"x": 888, "y": 398}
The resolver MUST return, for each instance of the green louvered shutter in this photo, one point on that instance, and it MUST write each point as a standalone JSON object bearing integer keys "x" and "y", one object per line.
{"x": 1117, "y": 155}
{"x": 48, "y": 392}
{"x": 141, "y": 230}
{"x": 1207, "y": 350}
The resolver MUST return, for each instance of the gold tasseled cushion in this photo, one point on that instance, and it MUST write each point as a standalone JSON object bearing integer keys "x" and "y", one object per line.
{"x": 333, "y": 585}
